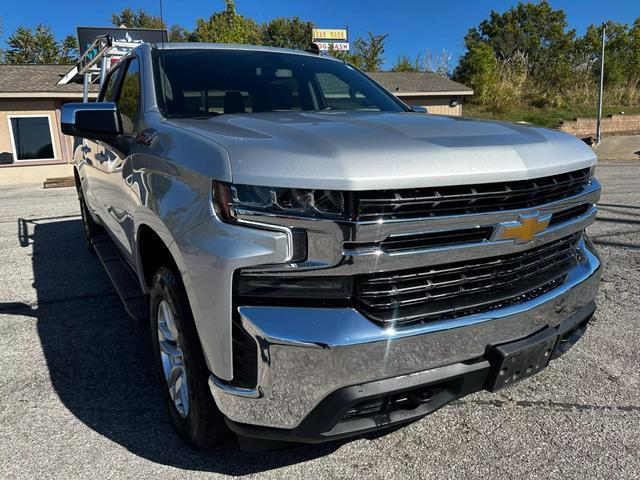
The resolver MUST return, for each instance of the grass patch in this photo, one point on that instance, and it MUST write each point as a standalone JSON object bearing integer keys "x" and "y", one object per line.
{"x": 544, "y": 117}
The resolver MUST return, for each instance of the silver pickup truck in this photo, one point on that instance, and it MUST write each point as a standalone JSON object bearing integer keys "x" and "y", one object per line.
{"x": 315, "y": 258}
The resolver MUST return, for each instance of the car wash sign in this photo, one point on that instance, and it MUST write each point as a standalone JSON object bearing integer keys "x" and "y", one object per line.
{"x": 331, "y": 39}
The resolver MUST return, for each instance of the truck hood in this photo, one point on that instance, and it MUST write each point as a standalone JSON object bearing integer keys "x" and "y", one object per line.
{"x": 369, "y": 150}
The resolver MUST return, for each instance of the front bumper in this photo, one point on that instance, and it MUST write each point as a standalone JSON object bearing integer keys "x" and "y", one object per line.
{"x": 309, "y": 358}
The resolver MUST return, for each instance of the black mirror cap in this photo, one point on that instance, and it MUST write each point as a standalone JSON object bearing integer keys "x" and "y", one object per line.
{"x": 93, "y": 121}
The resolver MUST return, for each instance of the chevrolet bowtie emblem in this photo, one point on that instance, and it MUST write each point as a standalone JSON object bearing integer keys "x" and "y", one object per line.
{"x": 524, "y": 230}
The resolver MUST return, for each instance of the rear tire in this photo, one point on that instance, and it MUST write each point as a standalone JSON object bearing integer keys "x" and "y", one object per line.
{"x": 90, "y": 227}
{"x": 181, "y": 366}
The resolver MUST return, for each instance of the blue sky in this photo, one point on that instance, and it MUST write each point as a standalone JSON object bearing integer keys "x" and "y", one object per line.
{"x": 413, "y": 25}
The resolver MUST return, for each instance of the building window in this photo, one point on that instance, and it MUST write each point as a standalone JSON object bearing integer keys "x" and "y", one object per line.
{"x": 31, "y": 137}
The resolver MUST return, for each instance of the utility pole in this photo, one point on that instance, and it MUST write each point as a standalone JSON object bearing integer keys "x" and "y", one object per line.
{"x": 599, "y": 120}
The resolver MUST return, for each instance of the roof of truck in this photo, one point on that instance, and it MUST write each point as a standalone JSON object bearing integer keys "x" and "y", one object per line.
{"x": 231, "y": 46}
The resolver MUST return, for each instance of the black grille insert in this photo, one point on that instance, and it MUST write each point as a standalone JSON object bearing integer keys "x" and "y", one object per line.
{"x": 464, "y": 288}
{"x": 245, "y": 357}
{"x": 457, "y": 200}
{"x": 401, "y": 243}
{"x": 569, "y": 214}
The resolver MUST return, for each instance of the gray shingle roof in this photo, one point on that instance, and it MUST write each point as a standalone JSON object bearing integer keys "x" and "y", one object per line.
{"x": 414, "y": 82}
{"x": 36, "y": 79}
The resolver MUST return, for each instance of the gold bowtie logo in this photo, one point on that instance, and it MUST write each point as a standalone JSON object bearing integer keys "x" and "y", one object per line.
{"x": 524, "y": 230}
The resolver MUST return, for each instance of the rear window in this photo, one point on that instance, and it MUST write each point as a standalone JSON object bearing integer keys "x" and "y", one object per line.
{"x": 215, "y": 82}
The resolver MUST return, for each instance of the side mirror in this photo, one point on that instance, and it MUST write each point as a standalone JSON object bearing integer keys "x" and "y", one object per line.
{"x": 418, "y": 109}
{"x": 94, "y": 121}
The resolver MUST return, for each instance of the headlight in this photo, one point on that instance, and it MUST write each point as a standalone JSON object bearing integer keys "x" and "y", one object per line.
{"x": 230, "y": 200}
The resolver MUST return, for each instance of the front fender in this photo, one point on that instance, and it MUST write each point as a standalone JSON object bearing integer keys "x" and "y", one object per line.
{"x": 208, "y": 255}
{"x": 175, "y": 202}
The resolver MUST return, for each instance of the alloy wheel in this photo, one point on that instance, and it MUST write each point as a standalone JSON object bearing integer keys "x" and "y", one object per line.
{"x": 172, "y": 358}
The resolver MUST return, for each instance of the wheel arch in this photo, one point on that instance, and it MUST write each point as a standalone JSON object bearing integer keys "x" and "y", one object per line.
{"x": 76, "y": 178}
{"x": 152, "y": 252}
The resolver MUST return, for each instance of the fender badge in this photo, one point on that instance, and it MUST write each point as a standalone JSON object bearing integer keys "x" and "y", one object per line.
{"x": 147, "y": 137}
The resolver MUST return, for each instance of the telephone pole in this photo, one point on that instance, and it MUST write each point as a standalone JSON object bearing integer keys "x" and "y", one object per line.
{"x": 599, "y": 120}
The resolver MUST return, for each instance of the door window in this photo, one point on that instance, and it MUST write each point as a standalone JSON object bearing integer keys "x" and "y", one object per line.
{"x": 129, "y": 98}
{"x": 109, "y": 94}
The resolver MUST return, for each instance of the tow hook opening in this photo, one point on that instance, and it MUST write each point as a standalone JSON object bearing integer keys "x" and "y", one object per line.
{"x": 424, "y": 398}
{"x": 569, "y": 338}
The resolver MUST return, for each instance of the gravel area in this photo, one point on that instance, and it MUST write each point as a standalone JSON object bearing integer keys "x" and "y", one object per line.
{"x": 78, "y": 396}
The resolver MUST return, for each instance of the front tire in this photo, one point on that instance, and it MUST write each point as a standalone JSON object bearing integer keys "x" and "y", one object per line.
{"x": 181, "y": 366}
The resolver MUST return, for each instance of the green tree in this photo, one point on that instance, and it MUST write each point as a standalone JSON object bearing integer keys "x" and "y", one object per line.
{"x": 227, "y": 27}
{"x": 616, "y": 51}
{"x": 533, "y": 47}
{"x": 287, "y": 33}
{"x": 68, "y": 50}
{"x": 478, "y": 69}
{"x": 21, "y": 46}
{"x": 139, "y": 19}
{"x": 533, "y": 33}
{"x": 404, "y": 64}
{"x": 2, "y": 50}
{"x": 633, "y": 58}
{"x": 178, "y": 34}
{"x": 367, "y": 53}
{"x": 352, "y": 58}
{"x": 39, "y": 45}
{"x": 371, "y": 49}
{"x": 532, "y": 30}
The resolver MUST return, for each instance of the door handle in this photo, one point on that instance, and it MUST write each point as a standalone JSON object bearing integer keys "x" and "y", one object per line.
{"x": 85, "y": 149}
{"x": 101, "y": 157}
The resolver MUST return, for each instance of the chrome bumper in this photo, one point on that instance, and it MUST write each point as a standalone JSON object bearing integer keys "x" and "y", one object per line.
{"x": 304, "y": 354}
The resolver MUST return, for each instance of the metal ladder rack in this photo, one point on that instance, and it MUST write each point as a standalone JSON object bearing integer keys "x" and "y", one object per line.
{"x": 96, "y": 62}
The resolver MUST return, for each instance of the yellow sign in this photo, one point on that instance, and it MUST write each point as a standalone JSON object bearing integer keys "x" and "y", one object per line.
{"x": 329, "y": 34}
{"x": 525, "y": 229}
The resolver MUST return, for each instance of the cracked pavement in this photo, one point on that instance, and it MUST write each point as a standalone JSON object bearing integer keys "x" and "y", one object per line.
{"x": 78, "y": 396}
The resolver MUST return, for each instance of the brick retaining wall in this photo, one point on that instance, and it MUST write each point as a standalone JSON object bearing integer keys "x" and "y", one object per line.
{"x": 611, "y": 125}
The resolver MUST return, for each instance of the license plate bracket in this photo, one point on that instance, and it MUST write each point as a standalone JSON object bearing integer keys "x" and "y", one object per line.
{"x": 515, "y": 361}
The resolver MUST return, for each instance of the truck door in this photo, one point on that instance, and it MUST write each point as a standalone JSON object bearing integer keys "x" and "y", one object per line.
{"x": 112, "y": 167}
{"x": 93, "y": 151}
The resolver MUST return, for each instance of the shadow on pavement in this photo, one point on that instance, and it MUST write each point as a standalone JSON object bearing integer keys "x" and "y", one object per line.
{"x": 100, "y": 362}
{"x": 625, "y": 219}
{"x": 615, "y": 205}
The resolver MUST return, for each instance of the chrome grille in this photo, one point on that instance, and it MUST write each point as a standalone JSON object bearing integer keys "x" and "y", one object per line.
{"x": 455, "y": 200}
{"x": 464, "y": 288}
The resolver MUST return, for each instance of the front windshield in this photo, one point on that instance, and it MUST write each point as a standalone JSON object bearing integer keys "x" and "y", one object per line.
{"x": 213, "y": 82}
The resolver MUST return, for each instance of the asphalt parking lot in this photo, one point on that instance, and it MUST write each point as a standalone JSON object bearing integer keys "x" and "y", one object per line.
{"x": 78, "y": 397}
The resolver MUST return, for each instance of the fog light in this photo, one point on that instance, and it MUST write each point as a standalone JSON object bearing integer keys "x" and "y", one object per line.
{"x": 248, "y": 285}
